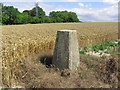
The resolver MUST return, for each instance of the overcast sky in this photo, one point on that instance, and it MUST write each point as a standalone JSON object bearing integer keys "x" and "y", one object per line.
{"x": 87, "y": 10}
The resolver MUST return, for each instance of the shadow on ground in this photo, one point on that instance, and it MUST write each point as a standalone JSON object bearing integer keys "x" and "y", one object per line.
{"x": 46, "y": 60}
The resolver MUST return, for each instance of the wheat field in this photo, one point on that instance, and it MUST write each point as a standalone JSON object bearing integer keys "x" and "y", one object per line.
{"x": 20, "y": 41}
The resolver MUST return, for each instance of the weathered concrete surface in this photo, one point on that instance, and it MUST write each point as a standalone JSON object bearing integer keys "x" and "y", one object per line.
{"x": 66, "y": 52}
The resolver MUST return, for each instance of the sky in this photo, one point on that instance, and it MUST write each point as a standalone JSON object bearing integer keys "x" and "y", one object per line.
{"x": 86, "y": 10}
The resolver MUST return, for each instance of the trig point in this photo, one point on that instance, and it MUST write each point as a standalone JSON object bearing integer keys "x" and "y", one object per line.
{"x": 66, "y": 53}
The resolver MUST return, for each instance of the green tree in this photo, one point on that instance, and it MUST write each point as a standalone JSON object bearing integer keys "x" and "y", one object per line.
{"x": 23, "y": 18}
{"x": 26, "y": 11}
{"x": 72, "y": 17}
{"x": 64, "y": 16}
{"x": 9, "y": 15}
{"x": 34, "y": 20}
{"x": 46, "y": 19}
{"x": 41, "y": 13}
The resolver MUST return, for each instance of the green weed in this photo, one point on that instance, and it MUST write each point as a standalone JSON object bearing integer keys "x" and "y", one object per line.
{"x": 103, "y": 46}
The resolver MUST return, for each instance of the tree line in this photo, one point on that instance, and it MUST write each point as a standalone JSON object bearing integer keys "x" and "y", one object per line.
{"x": 11, "y": 15}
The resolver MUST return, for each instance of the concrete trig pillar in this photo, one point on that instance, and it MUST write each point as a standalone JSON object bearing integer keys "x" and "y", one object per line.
{"x": 66, "y": 52}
